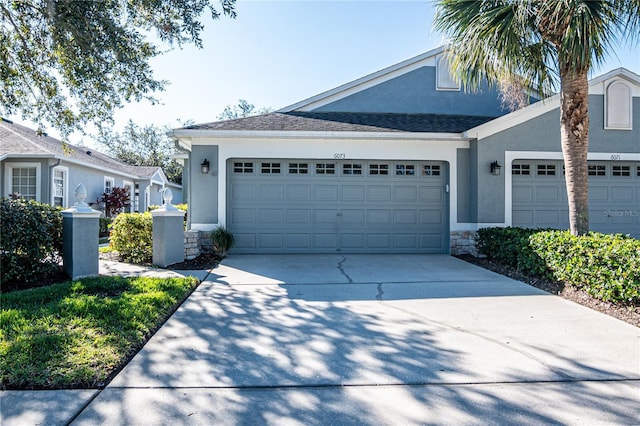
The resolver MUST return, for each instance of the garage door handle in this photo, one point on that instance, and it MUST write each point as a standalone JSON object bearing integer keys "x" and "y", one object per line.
{"x": 338, "y": 214}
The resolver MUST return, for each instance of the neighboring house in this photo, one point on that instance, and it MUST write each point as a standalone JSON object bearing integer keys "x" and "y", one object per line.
{"x": 42, "y": 168}
{"x": 404, "y": 161}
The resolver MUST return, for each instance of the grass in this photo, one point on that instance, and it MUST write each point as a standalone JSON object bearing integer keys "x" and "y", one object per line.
{"x": 78, "y": 334}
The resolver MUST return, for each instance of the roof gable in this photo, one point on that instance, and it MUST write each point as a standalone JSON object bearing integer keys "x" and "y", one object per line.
{"x": 596, "y": 87}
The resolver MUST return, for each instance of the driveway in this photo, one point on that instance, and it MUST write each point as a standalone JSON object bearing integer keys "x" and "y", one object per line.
{"x": 375, "y": 339}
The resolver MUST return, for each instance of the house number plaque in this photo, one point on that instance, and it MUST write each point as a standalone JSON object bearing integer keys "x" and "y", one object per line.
{"x": 339, "y": 156}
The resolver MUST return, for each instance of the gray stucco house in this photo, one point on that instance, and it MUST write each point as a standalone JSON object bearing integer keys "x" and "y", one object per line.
{"x": 44, "y": 169}
{"x": 404, "y": 161}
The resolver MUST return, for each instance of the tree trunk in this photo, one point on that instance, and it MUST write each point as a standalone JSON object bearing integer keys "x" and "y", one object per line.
{"x": 574, "y": 137}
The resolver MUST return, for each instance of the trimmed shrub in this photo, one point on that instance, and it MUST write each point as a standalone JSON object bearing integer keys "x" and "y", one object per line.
{"x": 606, "y": 266}
{"x": 131, "y": 237}
{"x": 30, "y": 240}
{"x": 222, "y": 240}
{"x": 510, "y": 246}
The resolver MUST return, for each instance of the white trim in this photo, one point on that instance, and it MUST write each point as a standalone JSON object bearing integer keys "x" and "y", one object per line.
{"x": 386, "y": 74}
{"x": 510, "y": 156}
{"x": 8, "y": 177}
{"x": 65, "y": 185}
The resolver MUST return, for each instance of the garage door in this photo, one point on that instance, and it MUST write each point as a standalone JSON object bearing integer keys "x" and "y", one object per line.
{"x": 319, "y": 206}
{"x": 540, "y": 196}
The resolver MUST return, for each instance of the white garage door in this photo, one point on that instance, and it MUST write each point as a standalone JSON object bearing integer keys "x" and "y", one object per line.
{"x": 540, "y": 196}
{"x": 320, "y": 206}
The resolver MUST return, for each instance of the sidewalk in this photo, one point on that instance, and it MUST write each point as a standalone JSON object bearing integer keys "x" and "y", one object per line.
{"x": 58, "y": 407}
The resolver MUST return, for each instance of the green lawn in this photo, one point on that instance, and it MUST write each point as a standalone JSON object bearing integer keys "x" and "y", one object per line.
{"x": 76, "y": 334}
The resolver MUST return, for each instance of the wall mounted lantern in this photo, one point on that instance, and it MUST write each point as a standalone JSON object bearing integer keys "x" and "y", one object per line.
{"x": 495, "y": 168}
{"x": 204, "y": 167}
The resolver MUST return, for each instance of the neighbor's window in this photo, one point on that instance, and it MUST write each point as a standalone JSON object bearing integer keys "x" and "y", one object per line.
{"x": 109, "y": 183}
{"x": 24, "y": 182}
{"x": 59, "y": 186}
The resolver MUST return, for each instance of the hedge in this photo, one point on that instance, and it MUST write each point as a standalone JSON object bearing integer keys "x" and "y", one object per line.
{"x": 30, "y": 241}
{"x": 131, "y": 237}
{"x": 606, "y": 266}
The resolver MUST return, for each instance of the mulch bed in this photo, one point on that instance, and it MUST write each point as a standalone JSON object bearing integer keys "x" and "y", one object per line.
{"x": 629, "y": 314}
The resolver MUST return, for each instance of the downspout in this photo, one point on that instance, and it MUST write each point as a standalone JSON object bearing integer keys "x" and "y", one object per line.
{"x": 51, "y": 188}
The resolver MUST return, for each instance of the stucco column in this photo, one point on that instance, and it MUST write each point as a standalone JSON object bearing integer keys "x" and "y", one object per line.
{"x": 168, "y": 233}
{"x": 80, "y": 229}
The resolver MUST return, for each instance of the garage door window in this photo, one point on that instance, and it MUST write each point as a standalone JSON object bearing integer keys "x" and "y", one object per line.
{"x": 546, "y": 170}
{"x": 352, "y": 169}
{"x": 405, "y": 170}
{"x": 242, "y": 167}
{"x": 270, "y": 168}
{"x": 638, "y": 171}
{"x": 597, "y": 170}
{"x": 378, "y": 169}
{"x": 520, "y": 169}
{"x": 298, "y": 168}
{"x": 325, "y": 169}
{"x": 430, "y": 170}
{"x": 621, "y": 171}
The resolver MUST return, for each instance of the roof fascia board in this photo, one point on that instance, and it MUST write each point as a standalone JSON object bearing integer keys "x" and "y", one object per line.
{"x": 365, "y": 82}
{"x": 193, "y": 135}
{"x": 545, "y": 105}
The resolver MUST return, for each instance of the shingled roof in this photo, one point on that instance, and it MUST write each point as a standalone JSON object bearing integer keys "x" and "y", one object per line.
{"x": 21, "y": 141}
{"x": 348, "y": 122}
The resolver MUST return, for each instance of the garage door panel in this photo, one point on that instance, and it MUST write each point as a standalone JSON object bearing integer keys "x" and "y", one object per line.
{"x": 325, "y": 192}
{"x": 547, "y": 194}
{"x": 622, "y": 194}
{"x": 431, "y": 194}
{"x": 370, "y": 212}
{"x": 270, "y": 241}
{"x": 379, "y": 193}
{"x": 271, "y": 193}
{"x": 297, "y": 192}
{"x": 298, "y": 216}
{"x": 297, "y": 241}
{"x": 522, "y": 193}
{"x": 405, "y": 194}
{"x": 598, "y": 194}
{"x": 405, "y": 217}
{"x": 431, "y": 241}
{"x": 243, "y": 216}
{"x": 431, "y": 217}
{"x": 352, "y": 193}
{"x": 379, "y": 217}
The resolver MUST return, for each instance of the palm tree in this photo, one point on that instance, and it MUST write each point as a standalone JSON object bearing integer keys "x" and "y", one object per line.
{"x": 542, "y": 44}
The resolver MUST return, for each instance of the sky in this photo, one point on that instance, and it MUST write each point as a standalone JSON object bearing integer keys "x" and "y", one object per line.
{"x": 276, "y": 53}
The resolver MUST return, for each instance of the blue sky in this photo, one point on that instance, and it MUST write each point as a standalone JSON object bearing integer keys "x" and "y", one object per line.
{"x": 276, "y": 53}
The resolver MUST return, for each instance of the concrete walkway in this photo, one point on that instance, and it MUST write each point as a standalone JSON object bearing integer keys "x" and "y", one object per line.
{"x": 365, "y": 339}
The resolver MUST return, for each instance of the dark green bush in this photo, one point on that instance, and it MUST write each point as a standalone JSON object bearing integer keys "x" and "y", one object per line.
{"x": 131, "y": 237}
{"x": 505, "y": 245}
{"x": 105, "y": 226}
{"x": 606, "y": 266}
{"x": 30, "y": 241}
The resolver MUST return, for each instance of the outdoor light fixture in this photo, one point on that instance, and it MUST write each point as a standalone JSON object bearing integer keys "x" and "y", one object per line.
{"x": 204, "y": 167}
{"x": 495, "y": 168}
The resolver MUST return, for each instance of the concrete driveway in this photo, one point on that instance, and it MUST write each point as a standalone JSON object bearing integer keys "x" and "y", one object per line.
{"x": 373, "y": 339}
